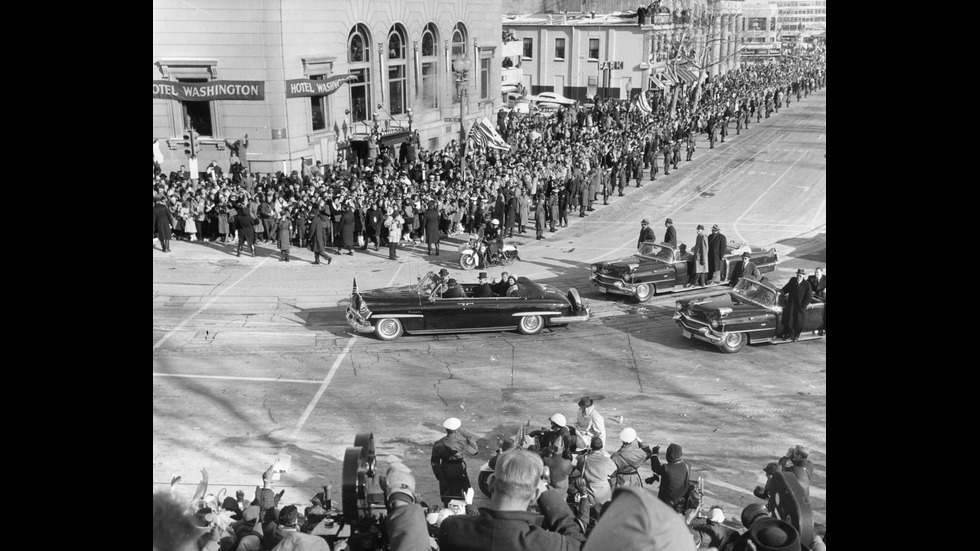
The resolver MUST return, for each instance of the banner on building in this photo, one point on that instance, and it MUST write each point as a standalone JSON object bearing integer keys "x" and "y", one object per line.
{"x": 246, "y": 90}
{"x": 307, "y": 88}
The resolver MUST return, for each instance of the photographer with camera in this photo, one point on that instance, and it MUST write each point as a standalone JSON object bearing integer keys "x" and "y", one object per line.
{"x": 448, "y": 463}
{"x": 507, "y": 524}
{"x": 406, "y": 520}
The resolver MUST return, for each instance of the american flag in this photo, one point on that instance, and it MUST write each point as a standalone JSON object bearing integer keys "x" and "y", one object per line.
{"x": 358, "y": 303}
{"x": 642, "y": 104}
{"x": 484, "y": 134}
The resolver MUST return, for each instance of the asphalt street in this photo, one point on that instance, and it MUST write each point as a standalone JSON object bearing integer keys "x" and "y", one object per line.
{"x": 252, "y": 356}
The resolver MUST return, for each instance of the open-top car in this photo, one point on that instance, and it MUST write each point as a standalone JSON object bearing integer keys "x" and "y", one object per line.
{"x": 751, "y": 313}
{"x": 419, "y": 309}
{"x": 656, "y": 268}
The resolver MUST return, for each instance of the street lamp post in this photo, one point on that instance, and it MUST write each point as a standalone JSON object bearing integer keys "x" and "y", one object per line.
{"x": 461, "y": 67}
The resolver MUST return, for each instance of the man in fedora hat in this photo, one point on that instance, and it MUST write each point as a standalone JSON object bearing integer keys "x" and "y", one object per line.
{"x": 670, "y": 234}
{"x": 745, "y": 268}
{"x": 646, "y": 233}
{"x": 798, "y": 295}
{"x": 700, "y": 253}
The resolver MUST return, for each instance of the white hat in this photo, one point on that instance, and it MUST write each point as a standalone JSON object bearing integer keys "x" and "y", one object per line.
{"x": 452, "y": 423}
{"x": 716, "y": 515}
{"x": 628, "y": 435}
{"x": 558, "y": 419}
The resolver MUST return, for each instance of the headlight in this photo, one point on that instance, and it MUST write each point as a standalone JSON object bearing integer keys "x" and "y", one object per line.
{"x": 715, "y": 323}
{"x": 724, "y": 311}
{"x": 595, "y": 269}
{"x": 678, "y": 306}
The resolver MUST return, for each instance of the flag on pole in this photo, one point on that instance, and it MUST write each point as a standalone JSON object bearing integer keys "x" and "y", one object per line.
{"x": 642, "y": 104}
{"x": 358, "y": 303}
{"x": 484, "y": 133}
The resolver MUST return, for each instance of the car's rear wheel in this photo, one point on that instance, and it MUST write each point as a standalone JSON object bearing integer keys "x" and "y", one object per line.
{"x": 388, "y": 329}
{"x": 530, "y": 325}
{"x": 643, "y": 292}
{"x": 732, "y": 342}
{"x": 467, "y": 261}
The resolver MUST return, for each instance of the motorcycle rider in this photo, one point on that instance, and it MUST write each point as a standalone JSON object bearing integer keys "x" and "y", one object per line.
{"x": 493, "y": 239}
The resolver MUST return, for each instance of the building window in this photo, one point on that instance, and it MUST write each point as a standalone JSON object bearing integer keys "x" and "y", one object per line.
{"x": 485, "y": 78}
{"x": 199, "y": 112}
{"x": 397, "y": 79}
{"x": 359, "y": 57}
{"x": 360, "y": 94}
{"x": 560, "y": 49}
{"x": 430, "y": 86}
{"x": 430, "y": 67}
{"x": 528, "y": 48}
{"x": 318, "y": 108}
{"x": 593, "y": 49}
{"x": 459, "y": 40}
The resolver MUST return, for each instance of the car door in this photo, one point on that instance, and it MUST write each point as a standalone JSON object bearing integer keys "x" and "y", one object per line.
{"x": 814, "y": 315}
{"x": 446, "y": 314}
{"x": 488, "y": 312}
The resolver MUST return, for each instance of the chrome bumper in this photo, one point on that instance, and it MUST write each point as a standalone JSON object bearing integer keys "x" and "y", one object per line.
{"x": 619, "y": 287}
{"x": 697, "y": 330}
{"x": 358, "y": 323}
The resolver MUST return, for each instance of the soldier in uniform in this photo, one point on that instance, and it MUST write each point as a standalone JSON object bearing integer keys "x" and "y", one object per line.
{"x": 691, "y": 145}
{"x": 677, "y": 151}
{"x": 637, "y": 167}
{"x": 628, "y": 459}
{"x": 553, "y": 205}
{"x": 448, "y": 463}
{"x": 711, "y": 131}
{"x": 738, "y": 121}
{"x": 726, "y": 117}
{"x": 668, "y": 154}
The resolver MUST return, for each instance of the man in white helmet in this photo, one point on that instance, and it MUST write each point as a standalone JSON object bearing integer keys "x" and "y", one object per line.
{"x": 589, "y": 423}
{"x": 493, "y": 238}
{"x": 447, "y": 460}
{"x": 559, "y": 436}
{"x": 628, "y": 459}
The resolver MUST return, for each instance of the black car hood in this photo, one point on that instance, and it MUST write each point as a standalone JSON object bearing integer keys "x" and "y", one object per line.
{"x": 392, "y": 295}
{"x": 623, "y": 264}
{"x": 711, "y": 305}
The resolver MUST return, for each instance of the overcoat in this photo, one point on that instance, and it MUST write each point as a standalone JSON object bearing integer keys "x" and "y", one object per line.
{"x": 162, "y": 221}
{"x": 347, "y": 228}
{"x": 284, "y": 231}
{"x": 716, "y": 251}
{"x": 317, "y": 233}
{"x": 431, "y": 219}
{"x": 700, "y": 252}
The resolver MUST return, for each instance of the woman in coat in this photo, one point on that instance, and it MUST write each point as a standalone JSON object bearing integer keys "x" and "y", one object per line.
{"x": 317, "y": 236}
{"x": 523, "y": 210}
{"x": 431, "y": 223}
{"x": 222, "y": 210}
{"x": 372, "y": 221}
{"x": 284, "y": 232}
{"x": 700, "y": 252}
{"x": 347, "y": 229}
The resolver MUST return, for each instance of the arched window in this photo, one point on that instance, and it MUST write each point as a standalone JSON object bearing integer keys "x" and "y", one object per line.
{"x": 359, "y": 58}
{"x": 430, "y": 67}
{"x": 459, "y": 40}
{"x": 397, "y": 71}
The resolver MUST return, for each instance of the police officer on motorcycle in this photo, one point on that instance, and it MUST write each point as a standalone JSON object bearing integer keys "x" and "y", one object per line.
{"x": 493, "y": 239}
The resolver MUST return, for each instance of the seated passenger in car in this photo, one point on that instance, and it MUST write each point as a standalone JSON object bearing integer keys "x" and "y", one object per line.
{"x": 453, "y": 290}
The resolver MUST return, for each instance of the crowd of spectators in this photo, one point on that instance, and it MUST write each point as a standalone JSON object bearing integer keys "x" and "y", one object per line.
{"x": 556, "y": 163}
{"x": 542, "y": 495}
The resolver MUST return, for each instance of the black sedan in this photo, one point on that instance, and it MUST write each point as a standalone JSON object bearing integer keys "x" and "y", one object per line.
{"x": 658, "y": 268}
{"x": 751, "y": 313}
{"x": 418, "y": 309}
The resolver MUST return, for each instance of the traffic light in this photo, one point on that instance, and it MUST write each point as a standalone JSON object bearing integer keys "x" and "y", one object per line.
{"x": 191, "y": 144}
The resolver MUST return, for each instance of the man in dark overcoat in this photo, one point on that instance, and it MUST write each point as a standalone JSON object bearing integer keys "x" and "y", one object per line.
{"x": 245, "y": 224}
{"x": 431, "y": 222}
{"x": 717, "y": 247}
{"x": 670, "y": 234}
{"x": 646, "y": 233}
{"x": 798, "y": 296}
{"x": 347, "y": 224}
{"x": 163, "y": 221}
{"x": 317, "y": 236}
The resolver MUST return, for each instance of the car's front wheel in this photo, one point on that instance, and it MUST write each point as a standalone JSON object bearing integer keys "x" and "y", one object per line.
{"x": 388, "y": 329}
{"x": 530, "y": 325}
{"x": 467, "y": 261}
{"x": 643, "y": 292}
{"x": 732, "y": 342}
{"x": 506, "y": 260}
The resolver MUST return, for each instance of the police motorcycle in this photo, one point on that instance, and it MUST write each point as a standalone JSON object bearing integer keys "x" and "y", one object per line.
{"x": 476, "y": 247}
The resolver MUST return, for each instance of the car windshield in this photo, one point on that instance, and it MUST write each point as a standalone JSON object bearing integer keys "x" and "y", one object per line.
{"x": 656, "y": 251}
{"x": 755, "y": 292}
{"x": 426, "y": 284}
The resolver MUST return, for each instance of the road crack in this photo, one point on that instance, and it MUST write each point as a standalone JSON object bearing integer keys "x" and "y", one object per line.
{"x": 439, "y": 381}
{"x": 636, "y": 368}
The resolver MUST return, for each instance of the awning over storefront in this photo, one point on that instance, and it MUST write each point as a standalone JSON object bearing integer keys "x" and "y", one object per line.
{"x": 667, "y": 79}
{"x": 656, "y": 83}
{"x": 395, "y": 138}
{"x": 687, "y": 75}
